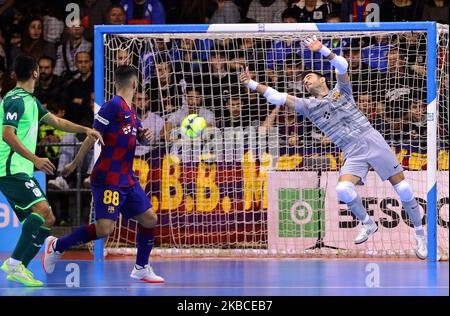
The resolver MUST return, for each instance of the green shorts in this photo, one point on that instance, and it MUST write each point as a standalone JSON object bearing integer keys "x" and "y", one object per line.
{"x": 22, "y": 192}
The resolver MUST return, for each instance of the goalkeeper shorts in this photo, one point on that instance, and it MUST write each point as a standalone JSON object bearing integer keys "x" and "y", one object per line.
{"x": 371, "y": 151}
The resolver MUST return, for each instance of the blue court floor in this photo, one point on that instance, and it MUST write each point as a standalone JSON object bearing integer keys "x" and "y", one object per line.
{"x": 250, "y": 277}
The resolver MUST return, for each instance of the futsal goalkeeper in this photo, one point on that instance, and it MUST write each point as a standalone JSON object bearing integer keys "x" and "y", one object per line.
{"x": 335, "y": 113}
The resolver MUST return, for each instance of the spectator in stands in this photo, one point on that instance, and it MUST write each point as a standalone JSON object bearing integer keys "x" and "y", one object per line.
{"x": 401, "y": 10}
{"x": 266, "y": 11}
{"x": 65, "y": 56}
{"x": 375, "y": 54}
{"x": 122, "y": 57}
{"x": 194, "y": 104}
{"x": 356, "y": 10}
{"x": 242, "y": 51}
{"x": 49, "y": 85}
{"x": 3, "y": 59}
{"x": 288, "y": 123}
{"x": 293, "y": 72}
{"x": 13, "y": 26}
{"x": 414, "y": 125}
{"x": 333, "y": 5}
{"x": 144, "y": 11}
{"x": 226, "y": 12}
{"x": 93, "y": 12}
{"x": 32, "y": 42}
{"x": 396, "y": 87}
{"x": 333, "y": 18}
{"x": 53, "y": 25}
{"x": 236, "y": 111}
{"x": 149, "y": 120}
{"x": 78, "y": 93}
{"x": 313, "y": 11}
{"x": 189, "y": 56}
{"x": 414, "y": 42}
{"x": 436, "y": 10}
{"x": 218, "y": 81}
{"x": 165, "y": 89}
{"x": 358, "y": 70}
{"x": 49, "y": 134}
{"x": 273, "y": 78}
{"x": 291, "y": 15}
{"x": 7, "y": 82}
{"x": 5, "y": 5}
{"x": 192, "y": 11}
{"x": 116, "y": 15}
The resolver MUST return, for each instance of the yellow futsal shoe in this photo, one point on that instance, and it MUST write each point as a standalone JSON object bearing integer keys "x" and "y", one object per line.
{"x": 22, "y": 275}
{"x": 8, "y": 269}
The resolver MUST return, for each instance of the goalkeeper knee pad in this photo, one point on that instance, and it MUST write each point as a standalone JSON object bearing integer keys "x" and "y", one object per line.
{"x": 404, "y": 191}
{"x": 346, "y": 191}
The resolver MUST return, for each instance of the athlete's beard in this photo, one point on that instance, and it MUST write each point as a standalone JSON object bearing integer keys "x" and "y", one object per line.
{"x": 318, "y": 91}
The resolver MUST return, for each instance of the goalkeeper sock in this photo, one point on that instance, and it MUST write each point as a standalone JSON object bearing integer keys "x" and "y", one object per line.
{"x": 81, "y": 235}
{"x": 145, "y": 238}
{"x": 412, "y": 208}
{"x": 35, "y": 245}
{"x": 359, "y": 210}
{"x": 30, "y": 228}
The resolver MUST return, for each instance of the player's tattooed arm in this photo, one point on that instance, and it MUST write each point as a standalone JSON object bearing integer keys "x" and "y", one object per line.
{"x": 85, "y": 147}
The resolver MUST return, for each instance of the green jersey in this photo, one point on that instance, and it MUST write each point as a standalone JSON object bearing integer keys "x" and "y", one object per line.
{"x": 21, "y": 110}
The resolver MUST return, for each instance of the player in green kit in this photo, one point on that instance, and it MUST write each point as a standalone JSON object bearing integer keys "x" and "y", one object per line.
{"x": 20, "y": 114}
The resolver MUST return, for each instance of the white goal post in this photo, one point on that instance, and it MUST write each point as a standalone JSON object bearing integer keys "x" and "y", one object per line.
{"x": 258, "y": 231}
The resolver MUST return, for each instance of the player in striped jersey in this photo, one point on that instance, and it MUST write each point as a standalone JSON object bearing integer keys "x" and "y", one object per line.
{"x": 114, "y": 186}
{"x": 335, "y": 113}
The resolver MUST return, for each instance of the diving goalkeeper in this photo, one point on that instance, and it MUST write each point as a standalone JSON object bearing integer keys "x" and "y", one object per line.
{"x": 335, "y": 113}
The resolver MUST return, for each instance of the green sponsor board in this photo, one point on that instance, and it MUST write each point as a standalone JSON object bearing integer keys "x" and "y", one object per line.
{"x": 299, "y": 212}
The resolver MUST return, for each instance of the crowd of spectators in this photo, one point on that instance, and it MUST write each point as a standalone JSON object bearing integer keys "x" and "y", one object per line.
{"x": 184, "y": 76}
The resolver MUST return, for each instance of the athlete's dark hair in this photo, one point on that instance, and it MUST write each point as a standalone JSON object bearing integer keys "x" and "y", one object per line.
{"x": 123, "y": 75}
{"x": 318, "y": 74}
{"x": 24, "y": 66}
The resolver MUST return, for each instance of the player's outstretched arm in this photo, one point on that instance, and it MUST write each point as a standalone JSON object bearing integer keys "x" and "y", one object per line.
{"x": 338, "y": 62}
{"x": 272, "y": 95}
{"x": 85, "y": 147}
{"x": 68, "y": 126}
{"x": 269, "y": 93}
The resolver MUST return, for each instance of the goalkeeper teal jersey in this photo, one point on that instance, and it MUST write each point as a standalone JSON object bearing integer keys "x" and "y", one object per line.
{"x": 23, "y": 111}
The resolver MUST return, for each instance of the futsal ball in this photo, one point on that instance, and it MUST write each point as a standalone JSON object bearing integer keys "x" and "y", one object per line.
{"x": 193, "y": 125}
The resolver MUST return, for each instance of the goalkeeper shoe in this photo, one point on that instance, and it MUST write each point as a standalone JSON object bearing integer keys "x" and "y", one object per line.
{"x": 367, "y": 230}
{"x": 50, "y": 254}
{"x": 146, "y": 274}
{"x": 22, "y": 275}
{"x": 421, "y": 247}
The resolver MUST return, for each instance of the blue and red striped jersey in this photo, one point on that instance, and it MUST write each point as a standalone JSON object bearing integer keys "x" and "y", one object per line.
{"x": 118, "y": 124}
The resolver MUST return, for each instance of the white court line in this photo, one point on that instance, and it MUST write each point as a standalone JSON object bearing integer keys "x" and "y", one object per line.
{"x": 227, "y": 287}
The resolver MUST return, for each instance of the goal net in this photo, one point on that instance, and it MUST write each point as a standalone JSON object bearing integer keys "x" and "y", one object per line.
{"x": 262, "y": 180}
